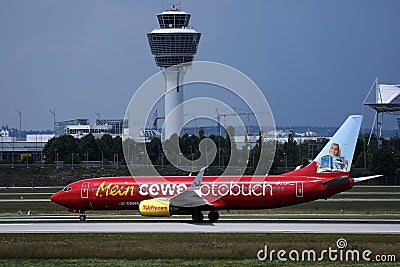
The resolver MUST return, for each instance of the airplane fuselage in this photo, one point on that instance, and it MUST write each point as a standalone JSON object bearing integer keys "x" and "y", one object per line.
{"x": 224, "y": 193}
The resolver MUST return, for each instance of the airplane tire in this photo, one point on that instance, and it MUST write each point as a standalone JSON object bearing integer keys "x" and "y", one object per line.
{"x": 197, "y": 217}
{"x": 82, "y": 218}
{"x": 213, "y": 216}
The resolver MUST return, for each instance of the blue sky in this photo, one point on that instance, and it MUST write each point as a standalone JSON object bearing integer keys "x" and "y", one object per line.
{"x": 315, "y": 61}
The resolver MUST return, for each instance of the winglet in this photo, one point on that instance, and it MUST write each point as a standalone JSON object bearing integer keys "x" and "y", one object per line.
{"x": 199, "y": 178}
{"x": 192, "y": 196}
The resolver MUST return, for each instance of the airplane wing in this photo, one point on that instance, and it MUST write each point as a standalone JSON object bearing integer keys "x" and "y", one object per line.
{"x": 191, "y": 197}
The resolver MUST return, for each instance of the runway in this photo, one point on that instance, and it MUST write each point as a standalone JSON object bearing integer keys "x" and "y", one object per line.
{"x": 187, "y": 226}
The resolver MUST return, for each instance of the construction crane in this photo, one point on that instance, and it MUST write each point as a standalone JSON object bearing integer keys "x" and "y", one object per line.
{"x": 156, "y": 118}
{"x": 247, "y": 114}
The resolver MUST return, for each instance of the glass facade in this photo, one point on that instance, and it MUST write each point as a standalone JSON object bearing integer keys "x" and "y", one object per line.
{"x": 172, "y": 48}
{"x": 173, "y": 20}
{"x": 62, "y": 125}
{"x": 168, "y": 61}
{"x": 116, "y": 125}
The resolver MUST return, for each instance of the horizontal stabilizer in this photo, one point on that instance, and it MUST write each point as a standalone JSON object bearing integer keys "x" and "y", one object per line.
{"x": 365, "y": 178}
{"x": 342, "y": 180}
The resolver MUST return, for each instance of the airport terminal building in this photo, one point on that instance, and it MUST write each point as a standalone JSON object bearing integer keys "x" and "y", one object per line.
{"x": 78, "y": 128}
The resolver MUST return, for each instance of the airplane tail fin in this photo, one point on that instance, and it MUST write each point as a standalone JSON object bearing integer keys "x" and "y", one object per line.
{"x": 336, "y": 157}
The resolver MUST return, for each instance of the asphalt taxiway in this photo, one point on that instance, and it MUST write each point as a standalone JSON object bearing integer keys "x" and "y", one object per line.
{"x": 363, "y": 226}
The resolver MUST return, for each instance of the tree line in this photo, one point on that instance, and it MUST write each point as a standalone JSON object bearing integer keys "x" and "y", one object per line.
{"x": 384, "y": 159}
{"x": 67, "y": 149}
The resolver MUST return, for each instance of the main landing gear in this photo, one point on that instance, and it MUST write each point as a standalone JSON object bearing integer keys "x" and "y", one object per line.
{"x": 199, "y": 217}
{"x": 213, "y": 216}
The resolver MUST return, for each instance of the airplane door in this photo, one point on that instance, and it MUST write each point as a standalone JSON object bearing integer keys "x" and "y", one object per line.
{"x": 299, "y": 189}
{"x": 85, "y": 190}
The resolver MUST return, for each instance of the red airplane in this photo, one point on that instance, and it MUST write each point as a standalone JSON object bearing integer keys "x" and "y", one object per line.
{"x": 325, "y": 176}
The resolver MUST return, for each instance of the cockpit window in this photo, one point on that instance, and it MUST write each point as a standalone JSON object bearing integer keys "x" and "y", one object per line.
{"x": 67, "y": 189}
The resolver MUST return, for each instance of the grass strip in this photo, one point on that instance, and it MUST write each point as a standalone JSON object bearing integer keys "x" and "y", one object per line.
{"x": 184, "y": 246}
{"x": 173, "y": 262}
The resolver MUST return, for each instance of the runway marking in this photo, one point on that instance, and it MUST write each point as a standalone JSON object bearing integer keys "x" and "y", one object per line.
{"x": 25, "y": 200}
{"x": 187, "y": 226}
{"x": 16, "y": 224}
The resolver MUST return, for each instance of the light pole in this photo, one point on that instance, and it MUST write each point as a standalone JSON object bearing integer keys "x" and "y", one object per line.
{"x": 36, "y": 148}
{"x": 1, "y": 157}
{"x": 206, "y": 151}
{"x": 285, "y": 161}
{"x": 219, "y": 149}
{"x": 365, "y": 155}
{"x": 12, "y": 155}
{"x": 19, "y": 111}
{"x": 191, "y": 155}
{"x": 53, "y": 112}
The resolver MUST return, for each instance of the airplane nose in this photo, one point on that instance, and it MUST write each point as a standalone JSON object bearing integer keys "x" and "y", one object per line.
{"x": 56, "y": 198}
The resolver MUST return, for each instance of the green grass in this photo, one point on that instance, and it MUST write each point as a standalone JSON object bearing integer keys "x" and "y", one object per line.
{"x": 37, "y": 208}
{"x": 375, "y": 188}
{"x": 177, "y": 249}
{"x": 25, "y": 196}
{"x": 174, "y": 262}
{"x": 17, "y": 190}
{"x": 332, "y": 207}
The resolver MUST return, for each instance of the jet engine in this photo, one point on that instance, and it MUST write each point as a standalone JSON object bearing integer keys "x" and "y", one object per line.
{"x": 155, "y": 208}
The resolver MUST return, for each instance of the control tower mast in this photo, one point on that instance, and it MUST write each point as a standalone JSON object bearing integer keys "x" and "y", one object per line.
{"x": 173, "y": 45}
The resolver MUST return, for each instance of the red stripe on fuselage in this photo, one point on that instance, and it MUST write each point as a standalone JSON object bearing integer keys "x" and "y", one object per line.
{"x": 228, "y": 192}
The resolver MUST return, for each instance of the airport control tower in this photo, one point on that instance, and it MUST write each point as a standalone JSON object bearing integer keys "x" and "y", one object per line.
{"x": 173, "y": 46}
